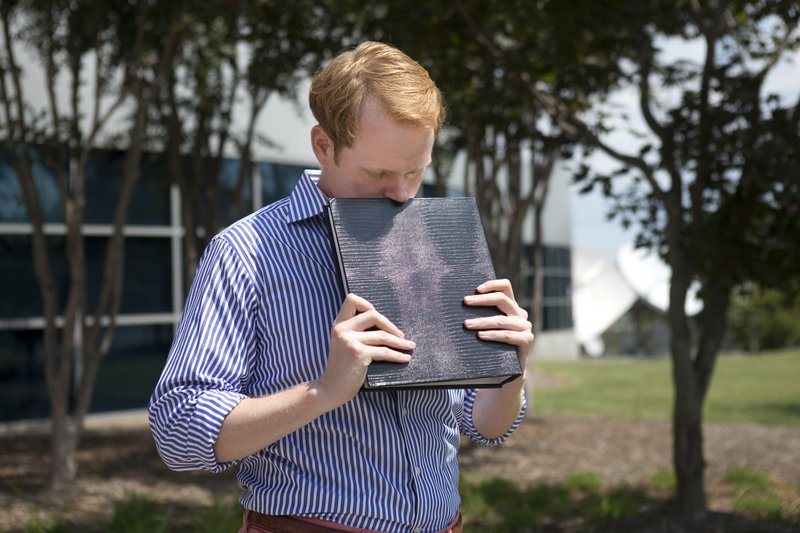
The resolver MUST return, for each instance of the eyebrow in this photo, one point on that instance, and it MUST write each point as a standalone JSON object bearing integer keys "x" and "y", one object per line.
{"x": 383, "y": 170}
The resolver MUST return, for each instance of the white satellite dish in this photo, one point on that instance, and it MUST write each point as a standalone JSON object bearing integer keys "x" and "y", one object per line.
{"x": 600, "y": 296}
{"x": 649, "y": 276}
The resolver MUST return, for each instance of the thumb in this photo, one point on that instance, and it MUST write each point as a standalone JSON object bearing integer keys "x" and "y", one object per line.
{"x": 351, "y": 306}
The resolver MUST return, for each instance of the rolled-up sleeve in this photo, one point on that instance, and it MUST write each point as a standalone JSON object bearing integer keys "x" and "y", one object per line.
{"x": 468, "y": 424}
{"x": 207, "y": 366}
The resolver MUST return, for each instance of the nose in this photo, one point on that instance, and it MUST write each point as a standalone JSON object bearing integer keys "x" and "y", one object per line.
{"x": 399, "y": 191}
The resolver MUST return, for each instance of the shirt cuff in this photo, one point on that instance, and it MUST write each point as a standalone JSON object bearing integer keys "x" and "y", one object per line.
{"x": 186, "y": 438}
{"x": 469, "y": 426}
{"x": 211, "y": 409}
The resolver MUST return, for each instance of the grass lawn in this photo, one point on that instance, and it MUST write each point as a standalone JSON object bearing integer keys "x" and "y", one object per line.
{"x": 762, "y": 388}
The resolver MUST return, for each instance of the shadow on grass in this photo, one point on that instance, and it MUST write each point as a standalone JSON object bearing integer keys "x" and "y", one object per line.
{"x": 498, "y": 505}
{"x": 140, "y": 514}
{"x": 580, "y": 503}
{"x": 495, "y": 505}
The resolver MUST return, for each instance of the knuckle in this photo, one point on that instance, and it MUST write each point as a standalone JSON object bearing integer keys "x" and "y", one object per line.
{"x": 353, "y": 345}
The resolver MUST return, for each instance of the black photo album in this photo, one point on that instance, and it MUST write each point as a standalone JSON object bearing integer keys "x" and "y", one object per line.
{"x": 415, "y": 261}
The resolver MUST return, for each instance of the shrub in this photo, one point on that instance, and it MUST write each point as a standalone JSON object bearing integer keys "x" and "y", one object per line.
{"x": 137, "y": 514}
{"x": 764, "y": 319}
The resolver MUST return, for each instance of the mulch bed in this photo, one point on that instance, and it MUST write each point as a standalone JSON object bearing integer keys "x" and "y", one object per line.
{"x": 115, "y": 463}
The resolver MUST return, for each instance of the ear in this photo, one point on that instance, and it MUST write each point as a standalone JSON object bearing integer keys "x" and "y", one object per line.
{"x": 322, "y": 145}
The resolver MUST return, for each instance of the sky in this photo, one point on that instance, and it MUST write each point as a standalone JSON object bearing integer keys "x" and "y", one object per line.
{"x": 289, "y": 125}
{"x": 590, "y": 229}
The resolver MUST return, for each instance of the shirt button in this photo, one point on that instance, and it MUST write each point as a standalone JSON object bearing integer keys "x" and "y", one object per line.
{"x": 416, "y": 530}
{"x": 418, "y": 470}
{"x": 405, "y": 411}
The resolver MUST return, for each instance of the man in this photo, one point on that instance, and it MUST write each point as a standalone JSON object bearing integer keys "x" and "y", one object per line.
{"x": 267, "y": 363}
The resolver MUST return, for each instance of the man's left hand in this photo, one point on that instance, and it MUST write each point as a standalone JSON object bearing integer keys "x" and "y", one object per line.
{"x": 512, "y": 327}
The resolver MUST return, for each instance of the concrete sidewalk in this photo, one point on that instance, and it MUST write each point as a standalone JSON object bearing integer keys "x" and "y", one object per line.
{"x": 131, "y": 419}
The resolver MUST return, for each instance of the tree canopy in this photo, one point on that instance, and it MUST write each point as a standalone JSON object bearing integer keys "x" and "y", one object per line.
{"x": 708, "y": 176}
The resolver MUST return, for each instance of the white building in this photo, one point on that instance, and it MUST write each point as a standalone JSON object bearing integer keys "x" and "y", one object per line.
{"x": 154, "y": 285}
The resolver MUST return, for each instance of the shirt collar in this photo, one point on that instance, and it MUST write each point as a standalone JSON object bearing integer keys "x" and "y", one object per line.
{"x": 306, "y": 200}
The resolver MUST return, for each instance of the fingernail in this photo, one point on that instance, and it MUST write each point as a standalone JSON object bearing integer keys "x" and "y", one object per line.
{"x": 469, "y": 298}
{"x": 469, "y": 323}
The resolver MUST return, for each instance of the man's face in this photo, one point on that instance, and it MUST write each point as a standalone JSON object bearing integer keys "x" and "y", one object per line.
{"x": 387, "y": 159}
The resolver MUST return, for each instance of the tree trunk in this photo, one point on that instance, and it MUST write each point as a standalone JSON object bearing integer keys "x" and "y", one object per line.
{"x": 63, "y": 443}
{"x": 688, "y": 455}
{"x": 688, "y": 405}
{"x": 536, "y": 312}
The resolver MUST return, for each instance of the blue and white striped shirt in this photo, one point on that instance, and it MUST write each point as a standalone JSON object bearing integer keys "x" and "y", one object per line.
{"x": 257, "y": 321}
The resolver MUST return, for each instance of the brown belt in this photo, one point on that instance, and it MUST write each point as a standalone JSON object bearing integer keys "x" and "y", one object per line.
{"x": 289, "y": 524}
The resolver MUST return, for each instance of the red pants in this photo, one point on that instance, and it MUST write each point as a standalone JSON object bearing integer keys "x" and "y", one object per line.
{"x": 253, "y": 522}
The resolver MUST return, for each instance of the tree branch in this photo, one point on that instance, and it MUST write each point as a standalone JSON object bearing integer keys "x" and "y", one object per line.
{"x": 51, "y": 73}
{"x": 576, "y": 129}
{"x": 111, "y": 294}
{"x": 41, "y": 259}
{"x": 478, "y": 30}
{"x": 776, "y": 54}
{"x": 703, "y": 176}
{"x": 645, "y": 99}
{"x": 7, "y": 98}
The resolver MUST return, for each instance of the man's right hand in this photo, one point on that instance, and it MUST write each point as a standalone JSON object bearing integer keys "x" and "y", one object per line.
{"x": 355, "y": 344}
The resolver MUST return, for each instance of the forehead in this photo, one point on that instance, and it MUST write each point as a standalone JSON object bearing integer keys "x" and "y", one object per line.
{"x": 383, "y": 143}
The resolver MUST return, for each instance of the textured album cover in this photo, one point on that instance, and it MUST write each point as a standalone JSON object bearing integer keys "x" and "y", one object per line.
{"x": 415, "y": 262}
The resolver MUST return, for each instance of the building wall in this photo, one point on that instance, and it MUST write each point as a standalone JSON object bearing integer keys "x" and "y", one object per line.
{"x": 555, "y": 345}
{"x": 154, "y": 284}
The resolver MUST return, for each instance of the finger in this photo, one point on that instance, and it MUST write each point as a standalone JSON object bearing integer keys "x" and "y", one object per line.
{"x": 515, "y": 338}
{"x": 382, "y": 353}
{"x": 514, "y": 323}
{"x": 383, "y": 338}
{"x": 352, "y": 305}
{"x": 497, "y": 285}
{"x": 373, "y": 319}
{"x": 500, "y": 300}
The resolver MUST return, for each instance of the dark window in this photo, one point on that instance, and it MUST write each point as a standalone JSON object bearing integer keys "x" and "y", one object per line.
{"x": 278, "y": 180}
{"x": 18, "y": 283}
{"x": 128, "y": 376}
{"x": 147, "y": 281}
{"x": 235, "y": 192}
{"x": 104, "y": 181}
{"x": 12, "y": 203}
{"x": 22, "y": 389}
{"x": 147, "y": 278}
{"x": 150, "y": 203}
{"x": 557, "y": 287}
{"x": 125, "y": 380}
